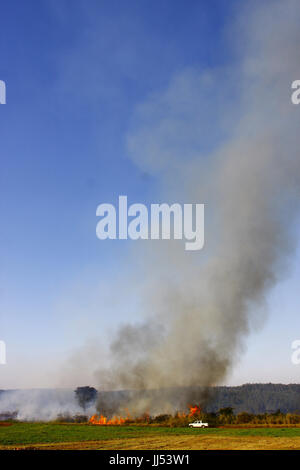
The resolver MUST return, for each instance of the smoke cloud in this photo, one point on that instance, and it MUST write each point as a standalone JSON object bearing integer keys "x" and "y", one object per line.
{"x": 41, "y": 404}
{"x": 226, "y": 137}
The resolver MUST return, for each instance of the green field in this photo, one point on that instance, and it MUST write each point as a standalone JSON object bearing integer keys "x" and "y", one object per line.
{"x": 83, "y": 436}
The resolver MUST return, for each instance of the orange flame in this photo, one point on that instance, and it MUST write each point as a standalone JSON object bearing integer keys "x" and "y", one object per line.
{"x": 194, "y": 410}
{"x": 103, "y": 420}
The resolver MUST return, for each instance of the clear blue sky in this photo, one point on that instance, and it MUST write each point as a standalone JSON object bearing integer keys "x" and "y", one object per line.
{"x": 75, "y": 72}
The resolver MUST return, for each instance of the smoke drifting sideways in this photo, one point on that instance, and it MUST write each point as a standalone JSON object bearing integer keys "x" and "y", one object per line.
{"x": 226, "y": 137}
{"x": 41, "y": 404}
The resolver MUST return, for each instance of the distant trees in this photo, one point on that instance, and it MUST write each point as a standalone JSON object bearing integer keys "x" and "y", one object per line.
{"x": 256, "y": 398}
{"x": 86, "y": 396}
{"x": 244, "y": 418}
{"x": 228, "y": 411}
{"x": 292, "y": 418}
{"x": 225, "y": 415}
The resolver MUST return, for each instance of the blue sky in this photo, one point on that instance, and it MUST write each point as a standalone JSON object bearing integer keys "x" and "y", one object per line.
{"x": 75, "y": 73}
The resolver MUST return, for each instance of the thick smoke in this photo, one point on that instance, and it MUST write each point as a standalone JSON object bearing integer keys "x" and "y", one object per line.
{"x": 227, "y": 138}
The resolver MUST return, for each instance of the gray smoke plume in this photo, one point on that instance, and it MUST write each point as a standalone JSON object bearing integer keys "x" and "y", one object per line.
{"x": 229, "y": 138}
{"x": 40, "y": 404}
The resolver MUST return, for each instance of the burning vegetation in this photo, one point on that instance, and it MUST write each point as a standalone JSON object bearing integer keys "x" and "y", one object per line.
{"x": 145, "y": 418}
{"x": 224, "y": 417}
{"x": 195, "y": 410}
{"x": 103, "y": 420}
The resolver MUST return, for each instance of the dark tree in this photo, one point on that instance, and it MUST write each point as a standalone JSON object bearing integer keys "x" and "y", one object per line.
{"x": 86, "y": 396}
{"x": 228, "y": 411}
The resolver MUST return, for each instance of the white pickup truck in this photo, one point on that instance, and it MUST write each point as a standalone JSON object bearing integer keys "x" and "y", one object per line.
{"x": 198, "y": 424}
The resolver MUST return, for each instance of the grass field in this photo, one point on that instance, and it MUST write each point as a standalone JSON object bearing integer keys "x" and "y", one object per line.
{"x": 83, "y": 436}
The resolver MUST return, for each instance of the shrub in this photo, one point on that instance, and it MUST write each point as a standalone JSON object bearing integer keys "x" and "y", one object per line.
{"x": 244, "y": 418}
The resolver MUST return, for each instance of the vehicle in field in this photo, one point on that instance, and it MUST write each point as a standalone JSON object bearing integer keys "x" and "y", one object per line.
{"x": 198, "y": 424}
